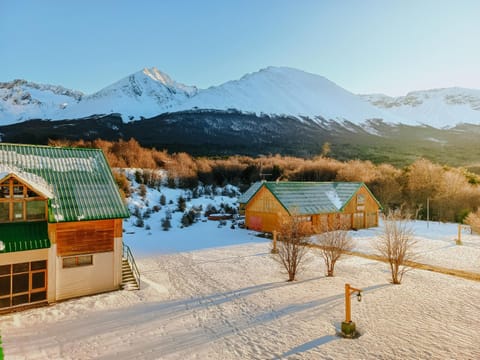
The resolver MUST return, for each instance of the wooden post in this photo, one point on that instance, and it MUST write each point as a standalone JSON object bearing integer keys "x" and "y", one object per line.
{"x": 274, "y": 248}
{"x": 348, "y": 316}
{"x": 348, "y": 305}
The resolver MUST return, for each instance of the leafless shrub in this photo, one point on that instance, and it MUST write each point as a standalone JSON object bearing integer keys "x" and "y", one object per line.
{"x": 293, "y": 245}
{"x": 333, "y": 244}
{"x": 397, "y": 244}
{"x": 473, "y": 219}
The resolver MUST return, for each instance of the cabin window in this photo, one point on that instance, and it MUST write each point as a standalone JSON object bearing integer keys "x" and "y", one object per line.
{"x": 360, "y": 199}
{"x": 304, "y": 218}
{"x": 20, "y": 203}
{"x": 76, "y": 261}
{"x": 4, "y": 211}
{"x": 23, "y": 283}
{"x": 35, "y": 210}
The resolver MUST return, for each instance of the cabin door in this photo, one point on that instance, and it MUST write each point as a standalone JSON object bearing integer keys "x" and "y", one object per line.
{"x": 358, "y": 220}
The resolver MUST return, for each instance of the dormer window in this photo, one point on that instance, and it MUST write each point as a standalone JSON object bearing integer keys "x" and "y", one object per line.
{"x": 18, "y": 202}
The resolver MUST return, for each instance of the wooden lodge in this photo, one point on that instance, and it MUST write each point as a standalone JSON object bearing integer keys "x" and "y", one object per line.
{"x": 60, "y": 225}
{"x": 325, "y": 205}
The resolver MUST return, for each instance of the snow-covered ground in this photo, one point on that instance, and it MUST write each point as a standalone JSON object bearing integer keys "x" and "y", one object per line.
{"x": 216, "y": 293}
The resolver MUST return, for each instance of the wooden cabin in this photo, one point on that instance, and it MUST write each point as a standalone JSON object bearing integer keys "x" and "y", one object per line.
{"x": 60, "y": 225}
{"x": 325, "y": 205}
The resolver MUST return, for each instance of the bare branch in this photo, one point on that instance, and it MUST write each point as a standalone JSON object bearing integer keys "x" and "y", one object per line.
{"x": 333, "y": 244}
{"x": 397, "y": 244}
{"x": 292, "y": 248}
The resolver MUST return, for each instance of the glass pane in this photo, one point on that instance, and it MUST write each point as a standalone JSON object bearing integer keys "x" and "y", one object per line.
{"x": 4, "y": 191}
{"x": 18, "y": 191}
{"x": 38, "y": 280}
{"x": 38, "y": 296}
{"x": 85, "y": 260}
{"x": 4, "y": 211}
{"x": 18, "y": 211}
{"x": 20, "y": 299}
{"x": 39, "y": 265}
{"x": 4, "y": 285}
{"x": 35, "y": 210}
{"x": 30, "y": 193}
{"x": 20, "y": 283}
{"x": 18, "y": 268}
{"x": 5, "y": 269}
{"x": 4, "y": 303}
{"x": 69, "y": 262}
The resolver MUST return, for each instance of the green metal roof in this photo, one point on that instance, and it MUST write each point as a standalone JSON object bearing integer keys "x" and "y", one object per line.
{"x": 80, "y": 180}
{"x": 252, "y": 190}
{"x": 24, "y": 236}
{"x": 308, "y": 198}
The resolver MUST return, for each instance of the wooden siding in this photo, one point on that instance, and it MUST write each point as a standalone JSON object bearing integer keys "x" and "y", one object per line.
{"x": 364, "y": 213}
{"x": 263, "y": 211}
{"x": 118, "y": 233}
{"x": 85, "y": 237}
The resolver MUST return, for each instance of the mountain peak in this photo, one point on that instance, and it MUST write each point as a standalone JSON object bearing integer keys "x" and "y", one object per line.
{"x": 159, "y": 76}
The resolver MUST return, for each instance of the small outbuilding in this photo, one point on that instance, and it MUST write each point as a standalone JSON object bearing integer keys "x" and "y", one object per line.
{"x": 60, "y": 225}
{"x": 324, "y": 205}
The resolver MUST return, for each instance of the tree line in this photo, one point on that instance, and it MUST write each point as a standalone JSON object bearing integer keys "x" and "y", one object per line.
{"x": 451, "y": 193}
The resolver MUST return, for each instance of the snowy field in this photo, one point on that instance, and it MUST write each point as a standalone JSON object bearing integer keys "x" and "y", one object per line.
{"x": 212, "y": 292}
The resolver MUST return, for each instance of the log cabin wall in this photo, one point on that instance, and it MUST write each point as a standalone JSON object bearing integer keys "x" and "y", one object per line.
{"x": 363, "y": 209}
{"x": 263, "y": 212}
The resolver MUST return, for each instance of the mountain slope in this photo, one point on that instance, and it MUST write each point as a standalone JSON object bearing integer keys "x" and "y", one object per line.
{"x": 22, "y": 100}
{"x": 274, "y": 91}
{"x": 144, "y": 94}
{"x": 438, "y": 107}
{"x": 288, "y": 92}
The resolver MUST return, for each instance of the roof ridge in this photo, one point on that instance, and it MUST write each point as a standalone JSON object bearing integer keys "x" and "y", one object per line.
{"x": 50, "y": 146}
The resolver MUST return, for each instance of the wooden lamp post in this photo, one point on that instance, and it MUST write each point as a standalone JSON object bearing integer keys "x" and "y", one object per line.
{"x": 348, "y": 326}
{"x": 274, "y": 248}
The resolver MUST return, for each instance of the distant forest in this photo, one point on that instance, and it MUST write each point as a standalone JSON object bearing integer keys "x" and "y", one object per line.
{"x": 452, "y": 192}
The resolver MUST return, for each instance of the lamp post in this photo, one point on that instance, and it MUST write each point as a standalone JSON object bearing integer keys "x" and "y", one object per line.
{"x": 348, "y": 326}
{"x": 274, "y": 248}
{"x": 2, "y": 246}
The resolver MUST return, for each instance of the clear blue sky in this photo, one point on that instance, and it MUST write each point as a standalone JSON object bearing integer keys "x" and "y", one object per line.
{"x": 364, "y": 46}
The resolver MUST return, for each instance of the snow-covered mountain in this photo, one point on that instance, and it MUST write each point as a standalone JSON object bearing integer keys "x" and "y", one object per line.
{"x": 287, "y": 91}
{"x": 279, "y": 91}
{"x": 438, "y": 107}
{"x": 22, "y": 100}
{"x": 144, "y": 94}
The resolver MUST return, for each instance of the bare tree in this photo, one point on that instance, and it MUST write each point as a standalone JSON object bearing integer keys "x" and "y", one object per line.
{"x": 333, "y": 244}
{"x": 397, "y": 244}
{"x": 473, "y": 219}
{"x": 294, "y": 239}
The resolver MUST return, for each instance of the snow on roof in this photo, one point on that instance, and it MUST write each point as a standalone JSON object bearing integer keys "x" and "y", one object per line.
{"x": 61, "y": 164}
{"x": 33, "y": 181}
{"x": 332, "y": 195}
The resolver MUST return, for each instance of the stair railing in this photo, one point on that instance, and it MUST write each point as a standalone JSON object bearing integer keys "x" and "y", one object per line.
{"x": 127, "y": 254}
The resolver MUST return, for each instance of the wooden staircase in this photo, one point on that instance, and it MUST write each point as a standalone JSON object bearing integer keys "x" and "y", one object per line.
{"x": 130, "y": 273}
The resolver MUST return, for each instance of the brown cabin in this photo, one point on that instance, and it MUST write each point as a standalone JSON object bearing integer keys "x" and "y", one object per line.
{"x": 323, "y": 204}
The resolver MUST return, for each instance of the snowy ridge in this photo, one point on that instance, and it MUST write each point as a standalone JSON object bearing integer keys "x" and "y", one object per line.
{"x": 22, "y": 100}
{"x": 277, "y": 91}
{"x": 144, "y": 94}
{"x": 287, "y": 91}
{"x": 437, "y": 107}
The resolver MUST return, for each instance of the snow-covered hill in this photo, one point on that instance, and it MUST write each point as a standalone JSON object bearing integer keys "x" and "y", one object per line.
{"x": 279, "y": 91}
{"x": 438, "y": 107}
